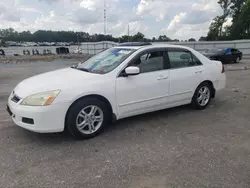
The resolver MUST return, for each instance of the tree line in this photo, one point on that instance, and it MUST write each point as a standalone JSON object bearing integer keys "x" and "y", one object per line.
{"x": 236, "y": 10}
{"x": 72, "y": 37}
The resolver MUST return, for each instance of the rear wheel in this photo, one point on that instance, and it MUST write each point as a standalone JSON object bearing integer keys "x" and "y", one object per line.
{"x": 237, "y": 60}
{"x": 202, "y": 96}
{"x": 87, "y": 118}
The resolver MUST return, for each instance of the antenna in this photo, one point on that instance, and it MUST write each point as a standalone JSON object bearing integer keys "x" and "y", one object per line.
{"x": 105, "y": 18}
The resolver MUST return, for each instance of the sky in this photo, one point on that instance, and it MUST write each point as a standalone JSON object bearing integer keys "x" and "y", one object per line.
{"x": 177, "y": 19}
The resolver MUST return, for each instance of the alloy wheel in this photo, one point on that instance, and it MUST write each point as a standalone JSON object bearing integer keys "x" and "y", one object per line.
{"x": 89, "y": 119}
{"x": 203, "y": 96}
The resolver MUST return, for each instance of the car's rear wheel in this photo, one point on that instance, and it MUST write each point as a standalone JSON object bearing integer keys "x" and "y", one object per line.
{"x": 202, "y": 96}
{"x": 87, "y": 118}
{"x": 237, "y": 60}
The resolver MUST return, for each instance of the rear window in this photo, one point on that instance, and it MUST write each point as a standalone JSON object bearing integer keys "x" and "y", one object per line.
{"x": 180, "y": 59}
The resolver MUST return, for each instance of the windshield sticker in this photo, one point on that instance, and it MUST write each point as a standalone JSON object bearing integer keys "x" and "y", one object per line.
{"x": 124, "y": 51}
{"x": 121, "y": 51}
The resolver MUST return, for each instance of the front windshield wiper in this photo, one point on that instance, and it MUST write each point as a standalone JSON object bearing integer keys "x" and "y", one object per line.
{"x": 82, "y": 69}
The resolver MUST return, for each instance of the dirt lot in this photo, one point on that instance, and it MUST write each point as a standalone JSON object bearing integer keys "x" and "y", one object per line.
{"x": 172, "y": 148}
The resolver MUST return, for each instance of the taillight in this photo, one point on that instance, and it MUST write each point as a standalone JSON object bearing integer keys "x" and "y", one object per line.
{"x": 223, "y": 69}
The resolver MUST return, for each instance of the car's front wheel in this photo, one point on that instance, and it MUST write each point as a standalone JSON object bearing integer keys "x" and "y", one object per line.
{"x": 87, "y": 118}
{"x": 202, "y": 96}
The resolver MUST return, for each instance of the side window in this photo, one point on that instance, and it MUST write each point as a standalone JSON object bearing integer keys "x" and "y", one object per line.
{"x": 144, "y": 57}
{"x": 149, "y": 62}
{"x": 196, "y": 60}
{"x": 180, "y": 59}
{"x": 228, "y": 51}
{"x": 234, "y": 50}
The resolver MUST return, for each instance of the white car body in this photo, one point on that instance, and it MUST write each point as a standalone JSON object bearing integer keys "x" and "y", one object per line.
{"x": 128, "y": 96}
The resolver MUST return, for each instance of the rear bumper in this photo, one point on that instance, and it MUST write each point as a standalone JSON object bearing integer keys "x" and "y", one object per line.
{"x": 221, "y": 83}
{"x": 46, "y": 119}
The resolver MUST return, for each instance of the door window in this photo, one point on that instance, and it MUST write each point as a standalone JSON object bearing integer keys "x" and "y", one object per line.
{"x": 180, "y": 59}
{"x": 234, "y": 50}
{"x": 149, "y": 62}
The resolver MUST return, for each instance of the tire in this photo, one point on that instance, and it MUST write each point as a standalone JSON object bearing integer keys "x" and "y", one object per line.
{"x": 81, "y": 112}
{"x": 202, "y": 96}
{"x": 237, "y": 60}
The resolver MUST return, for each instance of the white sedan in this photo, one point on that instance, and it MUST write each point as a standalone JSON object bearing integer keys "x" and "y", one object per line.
{"x": 122, "y": 81}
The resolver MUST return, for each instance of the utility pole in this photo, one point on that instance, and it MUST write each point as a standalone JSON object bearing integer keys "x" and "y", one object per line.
{"x": 78, "y": 39}
{"x": 105, "y": 18}
{"x": 105, "y": 22}
{"x": 78, "y": 43}
{"x": 128, "y": 32}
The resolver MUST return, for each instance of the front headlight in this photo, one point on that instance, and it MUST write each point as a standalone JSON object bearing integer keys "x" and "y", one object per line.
{"x": 41, "y": 99}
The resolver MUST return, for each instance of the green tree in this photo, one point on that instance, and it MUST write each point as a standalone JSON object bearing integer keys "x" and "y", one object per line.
{"x": 164, "y": 38}
{"x": 138, "y": 37}
{"x": 191, "y": 39}
{"x": 2, "y": 42}
{"x": 236, "y": 8}
{"x": 70, "y": 36}
{"x": 244, "y": 20}
{"x": 239, "y": 28}
{"x": 202, "y": 38}
{"x": 125, "y": 38}
{"x": 225, "y": 5}
{"x": 214, "y": 29}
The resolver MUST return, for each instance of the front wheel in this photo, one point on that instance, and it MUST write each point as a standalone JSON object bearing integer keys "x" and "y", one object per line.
{"x": 87, "y": 118}
{"x": 202, "y": 96}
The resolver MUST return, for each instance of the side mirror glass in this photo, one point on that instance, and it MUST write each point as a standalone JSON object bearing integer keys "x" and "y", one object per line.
{"x": 132, "y": 70}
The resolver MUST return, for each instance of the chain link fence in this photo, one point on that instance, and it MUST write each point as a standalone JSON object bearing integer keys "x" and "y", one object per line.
{"x": 92, "y": 48}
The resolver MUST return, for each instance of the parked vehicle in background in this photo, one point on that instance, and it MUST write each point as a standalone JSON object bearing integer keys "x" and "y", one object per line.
{"x": 2, "y": 53}
{"x": 77, "y": 51}
{"x": 120, "y": 82}
{"x": 225, "y": 55}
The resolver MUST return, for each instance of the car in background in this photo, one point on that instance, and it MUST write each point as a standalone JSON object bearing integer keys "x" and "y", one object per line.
{"x": 225, "y": 55}
{"x": 120, "y": 82}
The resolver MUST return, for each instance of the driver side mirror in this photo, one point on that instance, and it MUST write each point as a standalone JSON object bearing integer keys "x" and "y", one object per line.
{"x": 132, "y": 70}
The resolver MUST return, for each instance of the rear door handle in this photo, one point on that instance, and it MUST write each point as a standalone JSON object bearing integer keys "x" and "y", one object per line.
{"x": 162, "y": 77}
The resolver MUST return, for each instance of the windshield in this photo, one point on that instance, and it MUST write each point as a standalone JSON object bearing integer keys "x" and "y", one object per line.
{"x": 105, "y": 61}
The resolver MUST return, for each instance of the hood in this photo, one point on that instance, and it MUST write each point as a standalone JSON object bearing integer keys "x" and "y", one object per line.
{"x": 59, "y": 79}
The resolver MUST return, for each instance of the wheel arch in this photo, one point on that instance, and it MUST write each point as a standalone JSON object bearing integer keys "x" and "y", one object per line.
{"x": 212, "y": 86}
{"x": 99, "y": 97}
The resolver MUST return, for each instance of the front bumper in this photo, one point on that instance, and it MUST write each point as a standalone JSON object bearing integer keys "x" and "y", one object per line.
{"x": 46, "y": 119}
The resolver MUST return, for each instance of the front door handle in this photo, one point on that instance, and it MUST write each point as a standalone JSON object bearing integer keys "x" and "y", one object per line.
{"x": 198, "y": 72}
{"x": 162, "y": 78}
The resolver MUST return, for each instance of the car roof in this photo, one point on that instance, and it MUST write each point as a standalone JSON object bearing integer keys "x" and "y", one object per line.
{"x": 135, "y": 44}
{"x": 153, "y": 46}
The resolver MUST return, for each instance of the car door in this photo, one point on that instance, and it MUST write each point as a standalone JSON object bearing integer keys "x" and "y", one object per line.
{"x": 186, "y": 73}
{"x": 146, "y": 91}
{"x": 235, "y": 54}
{"x": 229, "y": 56}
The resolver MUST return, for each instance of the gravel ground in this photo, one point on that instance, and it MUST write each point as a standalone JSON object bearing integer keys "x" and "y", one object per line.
{"x": 173, "y": 148}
